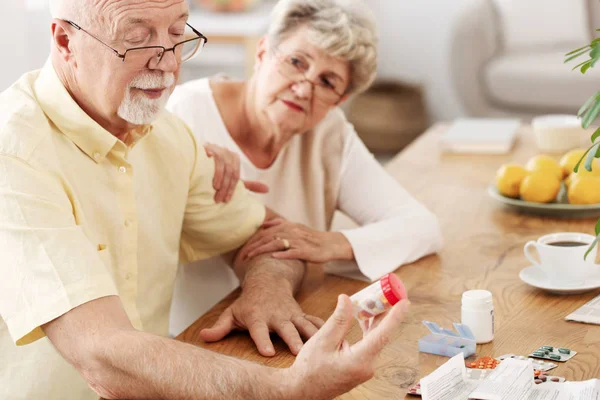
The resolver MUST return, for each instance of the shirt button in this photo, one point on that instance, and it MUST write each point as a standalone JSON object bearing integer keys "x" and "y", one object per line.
{"x": 96, "y": 156}
{"x": 128, "y": 276}
{"x": 128, "y": 222}
{"x": 122, "y": 170}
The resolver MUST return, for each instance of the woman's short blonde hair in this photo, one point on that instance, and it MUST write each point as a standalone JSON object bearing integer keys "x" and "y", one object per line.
{"x": 342, "y": 28}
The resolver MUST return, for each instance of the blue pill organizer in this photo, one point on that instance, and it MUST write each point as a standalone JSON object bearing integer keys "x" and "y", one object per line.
{"x": 447, "y": 343}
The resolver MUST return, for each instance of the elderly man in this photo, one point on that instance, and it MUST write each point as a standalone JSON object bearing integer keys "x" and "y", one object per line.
{"x": 101, "y": 192}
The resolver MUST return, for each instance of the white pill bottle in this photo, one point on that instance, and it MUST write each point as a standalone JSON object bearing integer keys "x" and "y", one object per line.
{"x": 477, "y": 312}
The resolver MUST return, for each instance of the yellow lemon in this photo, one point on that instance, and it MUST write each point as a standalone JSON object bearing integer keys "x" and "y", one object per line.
{"x": 570, "y": 179}
{"x": 584, "y": 190}
{"x": 594, "y": 172}
{"x": 540, "y": 187}
{"x": 545, "y": 163}
{"x": 569, "y": 160}
{"x": 509, "y": 178}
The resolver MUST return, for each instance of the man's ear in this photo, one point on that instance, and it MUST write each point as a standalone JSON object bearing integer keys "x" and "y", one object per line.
{"x": 61, "y": 39}
{"x": 261, "y": 50}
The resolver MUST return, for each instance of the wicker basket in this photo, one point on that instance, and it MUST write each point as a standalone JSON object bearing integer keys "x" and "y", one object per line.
{"x": 389, "y": 115}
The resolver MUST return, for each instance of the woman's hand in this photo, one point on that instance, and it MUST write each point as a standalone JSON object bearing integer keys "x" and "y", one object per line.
{"x": 289, "y": 240}
{"x": 227, "y": 174}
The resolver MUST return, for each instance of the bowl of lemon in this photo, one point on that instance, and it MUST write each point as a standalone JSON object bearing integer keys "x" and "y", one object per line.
{"x": 547, "y": 186}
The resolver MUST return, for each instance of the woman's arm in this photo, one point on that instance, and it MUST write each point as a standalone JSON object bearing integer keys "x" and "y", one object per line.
{"x": 395, "y": 228}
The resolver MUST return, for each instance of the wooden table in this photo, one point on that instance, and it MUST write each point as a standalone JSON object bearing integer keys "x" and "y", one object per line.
{"x": 483, "y": 250}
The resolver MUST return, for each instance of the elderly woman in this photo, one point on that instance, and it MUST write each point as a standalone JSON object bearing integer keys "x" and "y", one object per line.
{"x": 289, "y": 132}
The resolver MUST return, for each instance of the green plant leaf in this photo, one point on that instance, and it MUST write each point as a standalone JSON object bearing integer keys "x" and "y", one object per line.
{"x": 579, "y": 65}
{"x": 591, "y": 155}
{"x": 595, "y": 50}
{"x": 586, "y": 67}
{"x": 576, "y": 169}
{"x": 588, "y": 103}
{"x": 587, "y": 46}
{"x": 591, "y": 115}
{"x": 574, "y": 56}
{"x": 595, "y": 135}
{"x": 597, "y": 227}
{"x": 594, "y": 244}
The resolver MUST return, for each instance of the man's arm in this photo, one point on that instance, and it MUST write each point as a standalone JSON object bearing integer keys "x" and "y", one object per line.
{"x": 268, "y": 269}
{"x": 267, "y": 302}
{"x": 119, "y": 362}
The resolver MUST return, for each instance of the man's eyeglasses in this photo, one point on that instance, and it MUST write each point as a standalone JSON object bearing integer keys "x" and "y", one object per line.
{"x": 153, "y": 55}
{"x": 295, "y": 67}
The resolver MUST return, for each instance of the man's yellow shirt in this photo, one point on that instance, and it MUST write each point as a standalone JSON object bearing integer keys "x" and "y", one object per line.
{"x": 84, "y": 215}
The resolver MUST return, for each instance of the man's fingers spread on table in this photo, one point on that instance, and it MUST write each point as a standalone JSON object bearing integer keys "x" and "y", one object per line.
{"x": 260, "y": 334}
{"x": 288, "y": 332}
{"x": 220, "y": 329}
{"x": 306, "y": 328}
{"x": 372, "y": 344}
{"x": 316, "y": 321}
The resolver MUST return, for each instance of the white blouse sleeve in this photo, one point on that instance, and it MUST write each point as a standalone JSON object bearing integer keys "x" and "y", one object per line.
{"x": 187, "y": 104}
{"x": 395, "y": 228}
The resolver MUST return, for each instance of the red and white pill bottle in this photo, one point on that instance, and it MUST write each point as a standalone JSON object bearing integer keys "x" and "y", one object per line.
{"x": 378, "y": 297}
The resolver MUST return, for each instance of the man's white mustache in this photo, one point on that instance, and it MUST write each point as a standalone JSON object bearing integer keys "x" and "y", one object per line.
{"x": 151, "y": 81}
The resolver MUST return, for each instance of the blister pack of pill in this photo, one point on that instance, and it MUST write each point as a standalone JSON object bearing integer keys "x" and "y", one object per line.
{"x": 560, "y": 354}
{"x": 483, "y": 363}
{"x": 415, "y": 390}
{"x": 537, "y": 364}
{"x": 538, "y": 376}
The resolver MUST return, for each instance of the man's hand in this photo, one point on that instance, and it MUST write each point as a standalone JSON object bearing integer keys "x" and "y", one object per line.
{"x": 227, "y": 173}
{"x": 263, "y": 310}
{"x": 288, "y": 240}
{"x": 328, "y": 366}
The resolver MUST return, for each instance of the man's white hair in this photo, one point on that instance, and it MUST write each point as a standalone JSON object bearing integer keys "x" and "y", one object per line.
{"x": 342, "y": 28}
{"x": 77, "y": 11}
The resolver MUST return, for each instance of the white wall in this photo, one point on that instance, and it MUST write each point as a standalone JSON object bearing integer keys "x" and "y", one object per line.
{"x": 24, "y": 39}
{"x": 12, "y": 40}
{"x": 414, "y": 46}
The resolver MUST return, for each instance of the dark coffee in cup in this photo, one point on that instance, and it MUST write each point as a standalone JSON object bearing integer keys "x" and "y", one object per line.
{"x": 568, "y": 243}
{"x": 561, "y": 257}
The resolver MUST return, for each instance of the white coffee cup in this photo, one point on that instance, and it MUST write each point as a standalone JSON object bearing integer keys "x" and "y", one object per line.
{"x": 564, "y": 264}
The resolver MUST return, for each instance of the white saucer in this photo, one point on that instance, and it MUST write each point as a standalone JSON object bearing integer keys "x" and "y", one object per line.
{"x": 536, "y": 277}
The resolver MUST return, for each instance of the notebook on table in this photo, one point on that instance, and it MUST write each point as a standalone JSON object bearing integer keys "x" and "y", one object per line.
{"x": 480, "y": 136}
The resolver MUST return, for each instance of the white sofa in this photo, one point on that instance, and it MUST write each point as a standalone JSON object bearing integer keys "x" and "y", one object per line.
{"x": 496, "y": 72}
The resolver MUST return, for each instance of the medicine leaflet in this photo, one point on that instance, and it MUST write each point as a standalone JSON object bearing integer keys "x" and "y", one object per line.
{"x": 512, "y": 380}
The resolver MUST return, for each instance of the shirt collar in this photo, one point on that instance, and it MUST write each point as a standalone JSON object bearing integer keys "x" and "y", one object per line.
{"x": 71, "y": 120}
